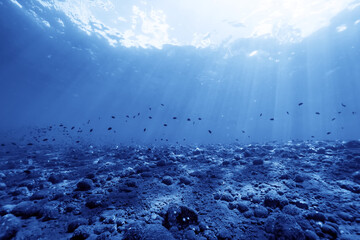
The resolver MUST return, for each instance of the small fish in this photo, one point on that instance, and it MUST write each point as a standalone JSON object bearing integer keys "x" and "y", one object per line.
{"x": 343, "y": 105}
{"x": 312, "y": 136}
{"x": 138, "y": 114}
{"x": 328, "y": 133}
{"x": 127, "y": 116}
{"x": 162, "y": 104}
{"x": 77, "y": 141}
{"x": 30, "y": 144}
{"x": 188, "y": 119}
{"x": 91, "y": 130}
{"x": 45, "y": 139}
{"x": 339, "y": 112}
{"x": 317, "y": 113}
{"x": 144, "y": 129}
{"x": 13, "y": 143}
{"x": 53, "y": 140}
{"x": 199, "y": 118}
{"x": 243, "y": 131}
{"x": 300, "y": 104}
{"x": 165, "y": 125}
{"x": 149, "y": 108}
{"x": 260, "y": 114}
{"x": 287, "y": 113}
{"x": 134, "y": 116}
{"x": 113, "y": 117}
{"x": 272, "y": 119}
{"x": 61, "y": 125}
{"x": 150, "y": 117}
{"x": 353, "y": 113}
{"x": 3, "y": 145}
{"x": 333, "y": 119}
{"x": 174, "y": 118}
{"x": 109, "y": 128}
{"x": 210, "y": 131}
{"x": 72, "y": 128}
{"x": 88, "y": 122}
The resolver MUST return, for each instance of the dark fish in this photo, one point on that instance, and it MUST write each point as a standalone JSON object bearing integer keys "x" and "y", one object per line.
{"x": 144, "y": 129}
{"x": 77, "y": 141}
{"x": 138, "y": 114}
{"x": 53, "y": 140}
{"x": 312, "y": 136}
{"x": 317, "y": 113}
{"x": 45, "y": 139}
{"x": 150, "y": 108}
{"x": 243, "y": 131}
{"x": 339, "y": 112}
{"x": 353, "y": 113}
{"x": 109, "y": 128}
{"x": 127, "y": 116}
{"x": 162, "y": 104}
{"x": 88, "y": 122}
{"x": 236, "y": 139}
{"x": 91, "y": 130}
{"x": 210, "y": 131}
{"x": 174, "y": 117}
{"x": 30, "y": 144}
{"x": 150, "y": 117}
{"x": 343, "y": 105}
{"x": 13, "y": 143}
{"x": 199, "y": 118}
{"x": 328, "y": 133}
{"x": 260, "y": 114}
{"x": 113, "y": 117}
{"x": 188, "y": 119}
{"x": 287, "y": 113}
{"x": 72, "y": 128}
{"x": 134, "y": 116}
{"x": 300, "y": 104}
{"x": 3, "y": 145}
{"x": 333, "y": 119}
{"x": 61, "y": 125}
{"x": 272, "y": 119}
{"x": 165, "y": 125}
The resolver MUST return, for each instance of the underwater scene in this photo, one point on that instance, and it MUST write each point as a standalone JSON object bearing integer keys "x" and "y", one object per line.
{"x": 164, "y": 120}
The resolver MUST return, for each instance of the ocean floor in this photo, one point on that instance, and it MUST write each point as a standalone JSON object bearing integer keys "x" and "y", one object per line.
{"x": 294, "y": 190}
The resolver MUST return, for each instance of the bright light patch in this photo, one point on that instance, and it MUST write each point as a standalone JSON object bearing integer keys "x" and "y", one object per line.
{"x": 16, "y": 3}
{"x": 200, "y": 23}
{"x": 357, "y": 22}
{"x": 253, "y": 53}
{"x": 341, "y": 28}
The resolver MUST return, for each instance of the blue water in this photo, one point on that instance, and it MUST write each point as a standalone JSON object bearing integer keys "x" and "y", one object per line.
{"x": 52, "y": 77}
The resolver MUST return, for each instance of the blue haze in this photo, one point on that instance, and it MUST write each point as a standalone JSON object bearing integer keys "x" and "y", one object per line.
{"x": 71, "y": 78}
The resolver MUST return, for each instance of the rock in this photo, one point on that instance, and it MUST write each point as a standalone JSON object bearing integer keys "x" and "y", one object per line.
{"x": 75, "y": 224}
{"x": 94, "y": 201}
{"x": 346, "y": 216}
{"x": 40, "y": 195}
{"x": 258, "y": 162}
{"x": 248, "y": 214}
{"x": 299, "y": 178}
{"x": 2, "y": 186}
{"x": 26, "y": 209}
{"x": 224, "y": 234}
{"x": 180, "y": 216}
{"x": 350, "y": 186}
{"x": 55, "y": 178}
{"x": 84, "y": 185}
{"x": 283, "y": 226}
{"x": 49, "y": 212}
{"x": 130, "y": 183}
{"x": 310, "y": 235}
{"x": 167, "y": 180}
{"x": 274, "y": 200}
{"x": 185, "y": 180}
{"x": 23, "y": 191}
{"x": 82, "y": 232}
{"x": 9, "y": 226}
{"x": 317, "y": 216}
{"x": 224, "y": 196}
{"x": 133, "y": 232}
{"x": 242, "y": 207}
{"x": 356, "y": 176}
{"x": 352, "y": 144}
{"x": 261, "y": 212}
{"x": 330, "y": 230}
{"x": 291, "y": 210}
{"x": 210, "y": 235}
